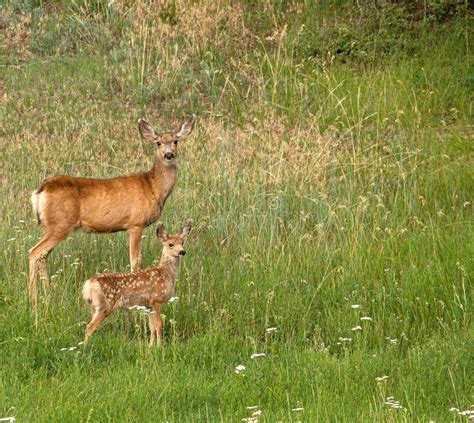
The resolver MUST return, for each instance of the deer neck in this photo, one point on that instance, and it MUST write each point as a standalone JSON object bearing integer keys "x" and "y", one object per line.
{"x": 170, "y": 268}
{"x": 163, "y": 178}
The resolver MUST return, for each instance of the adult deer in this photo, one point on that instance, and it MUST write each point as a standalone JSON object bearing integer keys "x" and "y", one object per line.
{"x": 63, "y": 204}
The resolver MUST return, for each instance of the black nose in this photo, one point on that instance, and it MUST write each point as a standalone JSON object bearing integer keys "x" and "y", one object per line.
{"x": 169, "y": 156}
{"x": 182, "y": 253}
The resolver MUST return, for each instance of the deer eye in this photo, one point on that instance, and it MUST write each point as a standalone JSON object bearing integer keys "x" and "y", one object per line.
{"x": 171, "y": 245}
{"x": 175, "y": 142}
{"x": 158, "y": 144}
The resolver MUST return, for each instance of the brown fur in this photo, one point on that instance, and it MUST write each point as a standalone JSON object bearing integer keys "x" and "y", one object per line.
{"x": 150, "y": 288}
{"x": 63, "y": 204}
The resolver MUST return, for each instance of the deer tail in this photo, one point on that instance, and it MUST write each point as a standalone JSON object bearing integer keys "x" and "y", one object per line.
{"x": 87, "y": 291}
{"x": 35, "y": 202}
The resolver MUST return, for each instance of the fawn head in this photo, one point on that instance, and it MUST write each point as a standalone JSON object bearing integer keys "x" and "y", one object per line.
{"x": 173, "y": 244}
{"x": 166, "y": 144}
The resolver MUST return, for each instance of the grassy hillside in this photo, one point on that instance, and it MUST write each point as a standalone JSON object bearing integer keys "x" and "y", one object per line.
{"x": 330, "y": 177}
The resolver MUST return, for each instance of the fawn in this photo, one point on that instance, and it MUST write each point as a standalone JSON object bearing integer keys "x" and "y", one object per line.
{"x": 150, "y": 288}
{"x": 63, "y": 204}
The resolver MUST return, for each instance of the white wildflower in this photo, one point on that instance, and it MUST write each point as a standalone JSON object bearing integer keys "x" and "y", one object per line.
{"x": 257, "y": 355}
{"x": 257, "y": 413}
{"x": 454, "y": 409}
{"x": 356, "y": 328}
{"x": 76, "y": 262}
{"x": 381, "y": 378}
{"x": 366, "y": 319}
{"x": 239, "y": 368}
{"x": 68, "y": 349}
{"x": 173, "y": 299}
{"x": 354, "y": 306}
{"x": 271, "y": 330}
{"x": 251, "y": 407}
{"x": 297, "y": 409}
{"x": 393, "y": 403}
{"x": 467, "y": 413}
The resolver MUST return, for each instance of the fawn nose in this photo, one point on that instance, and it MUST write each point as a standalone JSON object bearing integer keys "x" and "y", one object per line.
{"x": 169, "y": 156}
{"x": 182, "y": 252}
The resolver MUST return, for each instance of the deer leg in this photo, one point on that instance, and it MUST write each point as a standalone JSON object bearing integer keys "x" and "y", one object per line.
{"x": 100, "y": 314}
{"x": 135, "y": 247}
{"x": 151, "y": 319}
{"x": 158, "y": 324}
{"x": 39, "y": 253}
{"x": 43, "y": 270}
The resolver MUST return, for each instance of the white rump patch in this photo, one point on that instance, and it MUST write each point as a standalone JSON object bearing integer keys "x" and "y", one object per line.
{"x": 38, "y": 201}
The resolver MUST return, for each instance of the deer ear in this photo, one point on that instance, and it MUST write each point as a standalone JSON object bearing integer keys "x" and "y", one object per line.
{"x": 187, "y": 127}
{"x": 160, "y": 232}
{"x": 146, "y": 131}
{"x": 187, "y": 228}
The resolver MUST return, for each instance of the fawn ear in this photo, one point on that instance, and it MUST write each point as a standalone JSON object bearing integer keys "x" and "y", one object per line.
{"x": 187, "y": 228}
{"x": 146, "y": 131}
{"x": 187, "y": 127}
{"x": 160, "y": 232}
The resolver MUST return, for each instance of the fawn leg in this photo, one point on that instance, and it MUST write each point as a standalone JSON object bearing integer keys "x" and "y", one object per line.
{"x": 157, "y": 322}
{"x": 98, "y": 317}
{"x": 135, "y": 247}
{"x": 151, "y": 321}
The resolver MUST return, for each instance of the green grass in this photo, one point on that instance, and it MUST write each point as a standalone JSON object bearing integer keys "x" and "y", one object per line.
{"x": 316, "y": 183}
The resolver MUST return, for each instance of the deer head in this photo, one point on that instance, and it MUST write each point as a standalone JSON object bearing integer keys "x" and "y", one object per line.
{"x": 166, "y": 144}
{"x": 173, "y": 245}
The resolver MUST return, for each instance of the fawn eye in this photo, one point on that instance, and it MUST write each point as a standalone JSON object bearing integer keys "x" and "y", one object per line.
{"x": 158, "y": 144}
{"x": 171, "y": 245}
{"x": 175, "y": 142}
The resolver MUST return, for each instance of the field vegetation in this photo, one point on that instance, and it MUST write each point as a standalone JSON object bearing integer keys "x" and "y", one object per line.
{"x": 330, "y": 179}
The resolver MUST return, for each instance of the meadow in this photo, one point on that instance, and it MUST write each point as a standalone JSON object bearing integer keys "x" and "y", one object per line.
{"x": 330, "y": 180}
